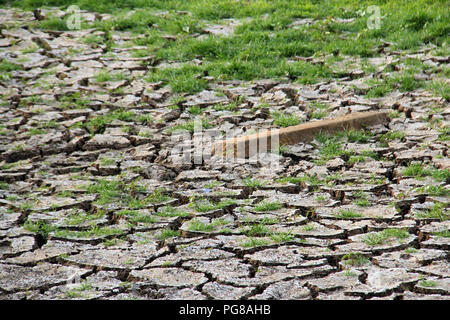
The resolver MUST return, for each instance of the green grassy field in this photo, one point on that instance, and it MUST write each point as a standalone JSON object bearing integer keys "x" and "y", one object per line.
{"x": 265, "y": 45}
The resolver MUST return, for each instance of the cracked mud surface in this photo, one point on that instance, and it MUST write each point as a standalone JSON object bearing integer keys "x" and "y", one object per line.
{"x": 93, "y": 206}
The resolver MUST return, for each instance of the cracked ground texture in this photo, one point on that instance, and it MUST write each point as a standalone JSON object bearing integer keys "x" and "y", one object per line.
{"x": 93, "y": 206}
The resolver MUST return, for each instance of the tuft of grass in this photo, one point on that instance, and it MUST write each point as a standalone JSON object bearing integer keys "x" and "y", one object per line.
{"x": 384, "y": 236}
{"x": 169, "y": 211}
{"x": 203, "y": 205}
{"x": 190, "y": 126}
{"x": 390, "y": 136}
{"x": 281, "y": 237}
{"x": 197, "y": 225}
{"x": 104, "y": 76}
{"x": 267, "y": 206}
{"x": 253, "y": 183}
{"x": 255, "y": 242}
{"x": 355, "y": 259}
{"x": 168, "y": 233}
{"x": 348, "y": 214}
{"x": 428, "y": 283}
{"x": 257, "y": 230}
{"x": 438, "y": 211}
{"x": 285, "y": 120}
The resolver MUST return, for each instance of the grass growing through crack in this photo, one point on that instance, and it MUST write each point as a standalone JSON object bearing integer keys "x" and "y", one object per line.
{"x": 418, "y": 170}
{"x": 355, "y": 259}
{"x": 197, "y": 225}
{"x": 253, "y": 183}
{"x": 94, "y": 231}
{"x": 348, "y": 214}
{"x": 384, "y": 236}
{"x": 285, "y": 120}
{"x": 190, "y": 126}
{"x": 168, "y": 233}
{"x": 134, "y": 217}
{"x": 203, "y": 205}
{"x": 438, "y": 211}
{"x": 255, "y": 242}
{"x": 169, "y": 211}
{"x": 267, "y": 206}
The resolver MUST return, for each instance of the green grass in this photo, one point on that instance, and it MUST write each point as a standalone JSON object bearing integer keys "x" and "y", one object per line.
{"x": 355, "y": 259}
{"x": 190, "y": 126}
{"x": 284, "y": 120}
{"x": 264, "y": 46}
{"x": 255, "y": 242}
{"x": 281, "y": 237}
{"x": 361, "y": 199}
{"x": 331, "y": 147}
{"x": 203, "y": 205}
{"x": 94, "y": 231}
{"x": 348, "y": 214}
{"x": 197, "y": 225}
{"x": 135, "y": 217}
{"x": 268, "y": 206}
{"x": 259, "y": 229}
{"x": 440, "y": 88}
{"x": 432, "y": 190}
{"x": 418, "y": 170}
{"x": 384, "y": 236}
{"x": 168, "y": 233}
{"x": 253, "y": 183}
{"x": 428, "y": 283}
{"x": 438, "y": 211}
{"x": 82, "y": 217}
{"x": 390, "y": 136}
{"x": 104, "y": 76}
{"x": 169, "y": 211}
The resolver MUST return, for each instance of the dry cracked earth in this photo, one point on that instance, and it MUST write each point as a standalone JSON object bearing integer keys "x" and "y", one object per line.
{"x": 92, "y": 205}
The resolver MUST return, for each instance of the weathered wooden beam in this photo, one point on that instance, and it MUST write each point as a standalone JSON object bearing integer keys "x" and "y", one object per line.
{"x": 264, "y": 141}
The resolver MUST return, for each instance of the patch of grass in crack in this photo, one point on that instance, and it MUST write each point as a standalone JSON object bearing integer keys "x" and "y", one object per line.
{"x": 285, "y": 120}
{"x": 169, "y": 211}
{"x": 390, "y": 136}
{"x": 443, "y": 234}
{"x": 438, "y": 211}
{"x": 330, "y": 147}
{"x": 204, "y": 205}
{"x": 418, "y": 170}
{"x": 267, "y": 206}
{"x": 82, "y": 216}
{"x": 253, "y": 183}
{"x": 94, "y": 231}
{"x": 348, "y": 214}
{"x": 258, "y": 229}
{"x": 168, "y": 233}
{"x": 197, "y": 225}
{"x": 281, "y": 237}
{"x": 432, "y": 190}
{"x": 190, "y": 126}
{"x": 107, "y": 191}
{"x": 361, "y": 199}
{"x": 385, "y": 236}
{"x": 428, "y": 283}
{"x": 41, "y": 228}
{"x": 354, "y": 259}
{"x": 254, "y": 242}
{"x": 135, "y": 216}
